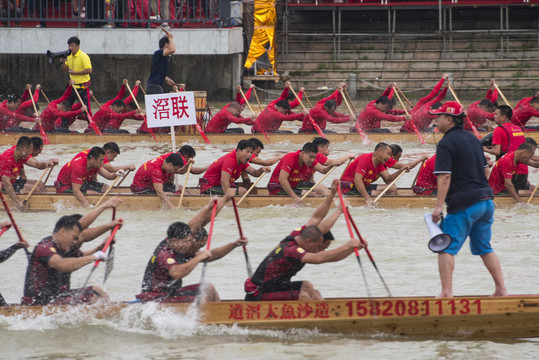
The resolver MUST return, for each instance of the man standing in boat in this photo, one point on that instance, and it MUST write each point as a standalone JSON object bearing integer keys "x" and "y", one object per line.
{"x": 359, "y": 176}
{"x": 12, "y": 162}
{"x": 288, "y": 177}
{"x": 222, "y": 173}
{"x": 79, "y": 67}
{"x": 461, "y": 169}
{"x": 179, "y": 254}
{"x": 305, "y": 245}
{"x": 78, "y": 176}
{"x": 48, "y": 276}
{"x": 153, "y": 175}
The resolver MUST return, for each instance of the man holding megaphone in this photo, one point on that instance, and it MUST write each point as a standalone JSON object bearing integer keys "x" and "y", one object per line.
{"x": 462, "y": 183}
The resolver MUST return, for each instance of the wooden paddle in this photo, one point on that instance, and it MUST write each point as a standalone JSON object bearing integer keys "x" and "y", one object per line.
{"x": 367, "y": 251}
{"x": 12, "y": 219}
{"x": 253, "y": 112}
{"x": 138, "y": 107}
{"x": 308, "y": 101}
{"x": 198, "y": 301}
{"x": 416, "y": 130}
{"x": 387, "y": 187}
{"x": 404, "y": 96}
{"x": 35, "y": 186}
{"x": 318, "y": 183}
{"x": 41, "y": 130}
{"x": 45, "y": 96}
{"x": 533, "y": 194}
{"x": 110, "y": 258}
{"x": 107, "y": 244}
{"x": 185, "y": 184}
{"x": 356, "y": 251}
{"x": 502, "y": 95}
{"x": 258, "y": 100}
{"x": 251, "y": 188}
{"x": 474, "y": 129}
{"x": 97, "y": 102}
{"x": 350, "y": 100}
{"x": 121, "y": 181}
{"x": 247, "y": 262}
{"x": 90, "y": 118}
{"x": 108, "y": 190}
{"x": 360, "y": 131}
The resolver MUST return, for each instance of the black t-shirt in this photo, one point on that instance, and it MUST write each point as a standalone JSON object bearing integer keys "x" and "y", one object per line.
{"x": 460, "y": 154}
{"x": 160, "y": 66}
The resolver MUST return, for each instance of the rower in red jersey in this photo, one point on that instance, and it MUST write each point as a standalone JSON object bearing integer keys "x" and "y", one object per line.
{"x": 359, "y": 176}
{"x": 507, "y": 136}
{"x": 12, "y": 163}
{"x": 396, "y": 154}
{"x": 322, "y": 145}
{"x": 289, "y": 175}
{"x": 59, "y": 109}
{"x": 239, "y": 98}
{"x": 152, "y": 176}
{"x": 427, "y": 182}
{"x": 271, "y": 119}
{"x": 112, "y": 150}
{"x": 26, "y": 109}
{"x": 222, "y": 173}
{"x": 371, "y": 116}
{"x": 420, "y": 112}
{"x": 500, "y": 179}
{"x": 525, "y": 109}
{"x": 230, "y": 114}
{"x": 78, "y": 176}
{"x": 481, "y": 111}
{"x": 8, "y": 114}
{"x": 325, "y": 111}
{"x": 307, "y": 245}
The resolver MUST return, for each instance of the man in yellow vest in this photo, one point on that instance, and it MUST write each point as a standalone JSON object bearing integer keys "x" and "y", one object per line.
{"x": 79, "y": 67}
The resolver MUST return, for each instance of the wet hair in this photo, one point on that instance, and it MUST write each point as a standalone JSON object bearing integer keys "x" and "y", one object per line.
{"x": 506, "y": 111}
{"x": 526, "y": 146}
{"x": 73, "y": 40}
{"x": 178, "y": 230}
{"x": 175, "y": 159}
{"x": 67, "y": 222}
{"x": 24, "y": 141}
{"x": 320, "y": 141}
{"x": 234, "y": 105}
{"x": 13, "y": 98}
{"x": 310, "y": 232}
{"x": 395, "y": 149}
{"x": 384, "y": 100}
{"x": 257, "y": 143}
{"x": 201, "y": 235}
{"x": 309, "y": 148}
{"x": 67, "y": 104}
{"x": 284, "y": 104}
{"x": 486, "y": 103}
{"x": 436, "y": 105}
{"x": 119, "y": 103}
{"x": 534, "y": 99}
{"x": 531, "y": 141}
{"x": 112, "y": 147}
{"x": 163, "y": 41}
{"x": 95, "y": 152}
{"x": 187, "y": 150}
{"x": 36, "y": 141}
{"x": 329, "y": 104}
{"x": 291, "y": 97}
{"x": 243, "y": 144}
{"x": 382, "y": 145}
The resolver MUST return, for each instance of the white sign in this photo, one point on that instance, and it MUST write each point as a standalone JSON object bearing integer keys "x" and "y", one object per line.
{"x": 170, "y": 109}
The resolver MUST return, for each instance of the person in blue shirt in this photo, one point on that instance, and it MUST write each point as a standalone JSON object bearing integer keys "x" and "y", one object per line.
{"x": 161, "y": 64}
{"x": 462, "y": 183}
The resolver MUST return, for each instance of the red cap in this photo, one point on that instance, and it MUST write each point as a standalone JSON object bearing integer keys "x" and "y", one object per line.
{"x": 452, "y": 108}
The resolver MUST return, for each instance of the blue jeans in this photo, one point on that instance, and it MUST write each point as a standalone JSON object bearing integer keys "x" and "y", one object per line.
{"x": 475, "y": 222}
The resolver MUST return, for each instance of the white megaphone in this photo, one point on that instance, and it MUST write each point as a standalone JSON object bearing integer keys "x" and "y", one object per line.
{"x": 439, "y": 241}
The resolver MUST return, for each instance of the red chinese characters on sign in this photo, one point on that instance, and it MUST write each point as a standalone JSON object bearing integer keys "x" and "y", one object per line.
{"x": 272, "y": 311}
{"x": 177, "y": 108}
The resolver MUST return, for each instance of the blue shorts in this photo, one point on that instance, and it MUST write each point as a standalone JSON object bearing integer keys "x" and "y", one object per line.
{"x": 474, "y": 221}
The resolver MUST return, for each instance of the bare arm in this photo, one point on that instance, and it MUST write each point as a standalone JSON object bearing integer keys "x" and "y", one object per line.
{"x": 266, "y": 162}
{"x": 360, "y": 186}
{"x": 332, "y": 255}
{"x": 285, "y": 184}
{"x": 493, "y": 150}
{"x": 257, "y": 172}
{"x": 443, "y": 182}
{"x": 511, "y": 190}
{"x": 79, "y": 195}
{"x": 182, "y": 270}
{"x": 225, "y": 180}
{"x": 204, "y": 216}
{"x": 41, "y": 164}
{"x": 106, "y": 174}
{"x": 11, "y": 192}
{"x": 219, "y": 252}
{"x": 68, "y": 265}
{"x": 163, "y": 195}
{"x": 322, "y": 210}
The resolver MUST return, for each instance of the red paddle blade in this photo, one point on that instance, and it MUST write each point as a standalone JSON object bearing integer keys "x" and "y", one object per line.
{"x": 149, "y": 129}
{"x": 317, "y": 128}
{"x": 199, "y": 128}
{"x": 43, "y": 134}
{"x": 362, "y": 134}
{"x": 92, "y": 122}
